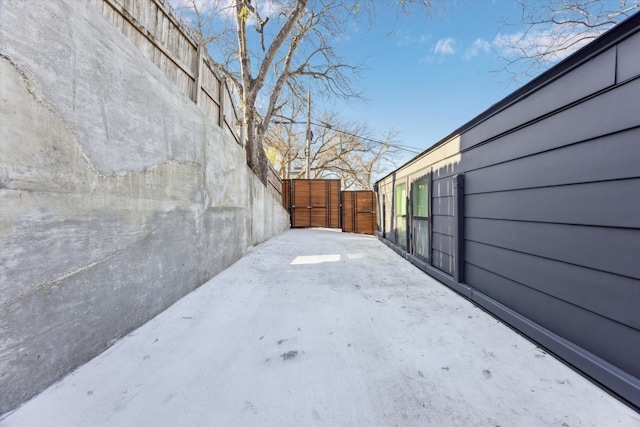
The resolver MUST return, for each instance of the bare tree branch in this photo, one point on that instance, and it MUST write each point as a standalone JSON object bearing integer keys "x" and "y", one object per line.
{"x": 290, "y": 52}
{"x": 555, "y": 29}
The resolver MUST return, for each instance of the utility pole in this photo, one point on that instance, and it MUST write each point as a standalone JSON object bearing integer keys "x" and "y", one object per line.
{"x": 307, "y": 150}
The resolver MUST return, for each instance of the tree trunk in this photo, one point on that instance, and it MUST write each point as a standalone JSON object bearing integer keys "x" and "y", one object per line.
{"x": 256, "y": 157}
{"x": 249, "y": 126}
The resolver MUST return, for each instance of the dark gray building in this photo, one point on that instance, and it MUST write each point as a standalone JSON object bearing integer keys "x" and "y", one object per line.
{"x": 532, "y": 210}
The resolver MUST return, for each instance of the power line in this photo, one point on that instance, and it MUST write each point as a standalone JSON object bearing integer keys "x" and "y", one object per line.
{"x": 398, "y": 146}
{"x": 409, "y": 149}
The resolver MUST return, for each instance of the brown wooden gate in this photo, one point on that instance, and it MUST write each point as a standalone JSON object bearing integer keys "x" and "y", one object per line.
{"x": 313, "y": 202}
{"x": 359, "y": 212}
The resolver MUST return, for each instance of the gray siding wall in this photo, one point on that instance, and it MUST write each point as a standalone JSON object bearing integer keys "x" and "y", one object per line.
{"x": 552, "y": 224}
{"x": 552, "y": 210}
{"x": 442, "y": 247}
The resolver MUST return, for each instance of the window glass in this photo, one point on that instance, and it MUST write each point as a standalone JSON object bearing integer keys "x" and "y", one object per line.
{"x": 401, "y": 199}
{"x": 420, "y": 196}
{"x": 420, "y": 222}
{"x": 401, "y": 231}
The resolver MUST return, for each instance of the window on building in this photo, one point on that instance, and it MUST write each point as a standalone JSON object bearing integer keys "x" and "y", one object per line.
{"x": 401, "y": 215}
{"x": 420, "y": 218}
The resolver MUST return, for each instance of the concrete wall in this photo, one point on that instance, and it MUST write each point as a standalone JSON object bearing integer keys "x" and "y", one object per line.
{"x": 117, "y": 196}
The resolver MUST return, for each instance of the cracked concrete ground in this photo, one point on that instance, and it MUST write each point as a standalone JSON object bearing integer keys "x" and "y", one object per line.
{"x": 322, "y": 328}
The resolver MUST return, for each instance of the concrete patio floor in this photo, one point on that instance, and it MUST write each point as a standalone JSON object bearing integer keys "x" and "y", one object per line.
{"x": 322, "y": 328}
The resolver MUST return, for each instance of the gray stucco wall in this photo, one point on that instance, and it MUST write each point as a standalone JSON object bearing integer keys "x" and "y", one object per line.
{"x": 117, "y": 196}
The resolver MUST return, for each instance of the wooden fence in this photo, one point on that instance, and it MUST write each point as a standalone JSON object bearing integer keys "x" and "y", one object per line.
{"x": 274, "y": 184}
{"x": 312, "y": 202}
{"x": 359, "y": 212}
{"x": 320, "y": 203}
{"x": 155, "y": 28}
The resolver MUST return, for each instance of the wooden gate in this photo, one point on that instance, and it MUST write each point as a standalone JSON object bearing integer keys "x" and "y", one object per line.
{"x": 359, "y": 212}
{"x": 313, "y": 202}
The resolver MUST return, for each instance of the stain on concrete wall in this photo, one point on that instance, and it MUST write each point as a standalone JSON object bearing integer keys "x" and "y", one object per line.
{"x": 117, "y": 196}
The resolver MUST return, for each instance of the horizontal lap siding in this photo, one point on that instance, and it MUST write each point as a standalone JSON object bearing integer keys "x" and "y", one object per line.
{"x": 617, "y": 250}
{"x": 443, "y": 224}
{"x": 628, "y": 65}
{"x": 443, "y": 243}
{"x": 612, "y": 341}
{"x": 609, "y": 295}
{"x": 442, "y": 261}
{"x": 615, "y": 156}
{"x": 552, "y": 220}
{"x": 609, "y": 203}
{"x": 577, "y": 244}
{"x": 443, "y": 206}
{"x": 596, "y": 75}
{"x": 608, "y": 113}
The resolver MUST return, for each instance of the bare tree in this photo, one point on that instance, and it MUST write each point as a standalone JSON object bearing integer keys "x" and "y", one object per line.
{"x": 284, "y": 140}
{"x": 349, "y": 151}
{"x": 206, "y": 19}
{"x": 555, "y": 29}
{"x": 281, "y": 49}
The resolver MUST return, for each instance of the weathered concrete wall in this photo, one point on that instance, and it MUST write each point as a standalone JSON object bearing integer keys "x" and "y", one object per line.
{"x": 117, "y": 196}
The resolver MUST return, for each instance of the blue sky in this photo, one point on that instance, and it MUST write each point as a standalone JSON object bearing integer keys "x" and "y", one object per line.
{"x": 426, "y": 78}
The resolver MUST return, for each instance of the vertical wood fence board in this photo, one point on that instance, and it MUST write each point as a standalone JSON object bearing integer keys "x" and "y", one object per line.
{"x": 274, "y": 184}
{"x": 348, "y": 212}
{"x": 286, "y": 199}
{"x": 334, "y": 212}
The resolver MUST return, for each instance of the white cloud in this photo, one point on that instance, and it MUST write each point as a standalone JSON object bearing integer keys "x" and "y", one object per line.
{"x": 445, "y": 46}
{"x": 479, "y": 45}
{"x": 550, "y": 44}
